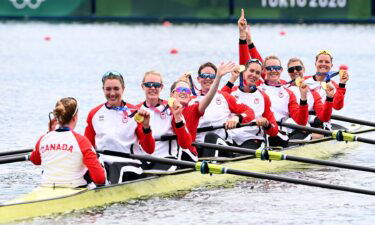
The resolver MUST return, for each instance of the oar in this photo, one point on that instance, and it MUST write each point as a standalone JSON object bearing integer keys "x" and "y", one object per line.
{"x": 14, "y": 159}
{"x": 349, "y": 119}
{"x": 265, "y": 154}
{"x": 337, "y": 134}
{"x": 16, "y": 152}
{"x": 205, "y": 168}
{"x": 203, "y": 129}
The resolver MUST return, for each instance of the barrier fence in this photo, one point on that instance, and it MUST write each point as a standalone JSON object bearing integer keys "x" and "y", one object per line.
{"x": 193, "y": 10}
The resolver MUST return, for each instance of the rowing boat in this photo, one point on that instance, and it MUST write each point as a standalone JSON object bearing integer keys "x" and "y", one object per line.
{"x": 44, "y": 201}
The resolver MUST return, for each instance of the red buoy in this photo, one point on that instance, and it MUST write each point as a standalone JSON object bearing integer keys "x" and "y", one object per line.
{"x": 47, "y": 38}
{"x": 173, "y": 51}
{"x": 167, "y": 24}
{"x": 282, "y": 33}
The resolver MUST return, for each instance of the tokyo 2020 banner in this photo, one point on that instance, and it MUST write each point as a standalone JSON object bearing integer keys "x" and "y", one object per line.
{"x": 197, "y": 9}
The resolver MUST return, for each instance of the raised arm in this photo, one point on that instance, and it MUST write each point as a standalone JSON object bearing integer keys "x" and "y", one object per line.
{"x": 223, "y": 69}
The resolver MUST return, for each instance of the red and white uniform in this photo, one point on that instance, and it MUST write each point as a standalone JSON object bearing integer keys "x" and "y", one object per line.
{"x": 340, "y": 90}
{"x": 221, "y": 108}
{"x": 284, "y": 104}
{"x": 192, "y": 115}
{"x": 161, "y": 118}
{"x": 261, "y": 104}
{"x": 314, "y": 102}
{"x": 115, "y": 130}
{"x": 247, "y": 52}
{"x": 65, "y": 157}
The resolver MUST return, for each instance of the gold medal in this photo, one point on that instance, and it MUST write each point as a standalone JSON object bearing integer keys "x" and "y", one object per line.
{"x": 241, "y": 68}
{"x": 324, "y": 85}
{"x": 298, "y": 81}
{"x": 138, "y": 118}
{"x": 171, "y": 102}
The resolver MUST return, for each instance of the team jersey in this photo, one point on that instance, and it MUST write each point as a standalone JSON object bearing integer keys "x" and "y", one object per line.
{"x": 221, "y": 108}
{"x": 340, "y": 90}
{"x": 192, "y": 115}
{"x": 260, "y": 103}
{"x": 66, "y": 156}
{"x": 315, "y": 104}
{"x": 284, "y": 104}
{"x": 116, "y": 130}
{"x": 161, "y": 119}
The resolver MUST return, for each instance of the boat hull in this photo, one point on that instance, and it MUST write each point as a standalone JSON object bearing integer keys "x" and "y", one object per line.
{"x": 46, "y": 201}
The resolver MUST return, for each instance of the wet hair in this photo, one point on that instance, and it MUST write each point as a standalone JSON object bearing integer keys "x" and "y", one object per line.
{"x": 324, "y": 52}
{"x": 295, "y": 59}
{"x": 113, "y": 75}
{"x": 269, "y": 58}
{"x": 173, "y": 86}
{"x": 65, "y": 110}
{"x": 152, "y": 72}
{"x": 207, "y": 64}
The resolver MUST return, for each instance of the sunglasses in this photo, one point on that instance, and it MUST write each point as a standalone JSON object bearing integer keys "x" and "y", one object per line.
{"x": 111, "y": 74}
{"x": 183, "y": 89}
{"x": 293, "y": 68}
{"x": 152, "y": 84}
{"x": 207, "y": 75}
{"x": 276, "y": 68}
{"x": 254, "y": 61}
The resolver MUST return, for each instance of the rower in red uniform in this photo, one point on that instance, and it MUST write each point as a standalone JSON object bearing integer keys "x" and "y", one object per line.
{"x": 323, "y": 111}
{"x": 194, "y": 110}
{"x": 284, "y": 103}
{"x": 323, "y": 65}
{"x": 224, "y": 109}
{"x": 318, "y": 82}
{"x": 112, "y": 126}
{"x": 247, "y": 49}
{"x": 66, "y": 156}
{"x": 249, "y": 94}
{"x": 168, "y": 120}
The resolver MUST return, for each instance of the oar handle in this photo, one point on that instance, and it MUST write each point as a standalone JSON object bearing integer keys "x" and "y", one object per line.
{"x": 203, "y": 129}
{"x": 14, "y": 159}
{"x": 16, "y": 152}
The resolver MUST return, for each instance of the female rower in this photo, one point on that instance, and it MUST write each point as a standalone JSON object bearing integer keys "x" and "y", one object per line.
{"x": 252, "y": 137}
{"x": 323, "y": 64}
{"x": 65, "y": 155}
{"x": 225, "y": 109}
{"x": 111, "y": 126}
{"x": 169, "y": 120}
{"x": 195, "y": 108}
{"x": 323, "y": 111}
{"x": 284, "y": 103}
{"x": 296, "y": 69}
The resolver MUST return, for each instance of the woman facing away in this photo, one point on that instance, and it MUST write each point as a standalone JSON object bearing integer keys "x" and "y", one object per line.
{"x": 68, "y": 158}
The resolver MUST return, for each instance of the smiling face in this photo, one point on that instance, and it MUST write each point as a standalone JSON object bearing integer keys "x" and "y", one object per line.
{"x": 152, "y": 93}
{"x": 296, "y": 73}
{"x": 113, "y": 91}
{"x": 272, "y": 75}
{"x": 323, "y": 63}
{"x": 206, "y": 82}
{"x": 252, "y": 74}
{"x": 183, "y": 97}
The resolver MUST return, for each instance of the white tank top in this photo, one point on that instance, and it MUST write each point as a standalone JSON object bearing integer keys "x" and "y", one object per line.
{"x": 279, "y": 99}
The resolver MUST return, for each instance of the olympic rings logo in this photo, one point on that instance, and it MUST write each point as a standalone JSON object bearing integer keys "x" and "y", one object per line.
{"x": 21, "y": 4}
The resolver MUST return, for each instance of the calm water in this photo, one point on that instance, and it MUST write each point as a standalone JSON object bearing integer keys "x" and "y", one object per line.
{"x": 35, "y": 73}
